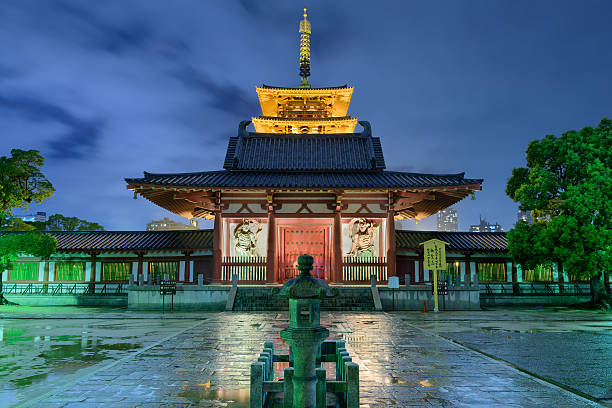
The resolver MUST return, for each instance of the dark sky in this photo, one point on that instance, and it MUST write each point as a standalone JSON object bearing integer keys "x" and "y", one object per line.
{"x": 107, "y": 90}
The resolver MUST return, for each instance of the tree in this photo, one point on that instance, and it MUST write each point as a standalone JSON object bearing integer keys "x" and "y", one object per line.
{"x": 21, "y": 183}
{"x": 15, "y": 224}
{"x": 57, "y": 222}
{"x": 567, "y": 186}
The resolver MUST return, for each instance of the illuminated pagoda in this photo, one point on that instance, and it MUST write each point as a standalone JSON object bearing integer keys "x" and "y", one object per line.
{"x": 303, "y": 182}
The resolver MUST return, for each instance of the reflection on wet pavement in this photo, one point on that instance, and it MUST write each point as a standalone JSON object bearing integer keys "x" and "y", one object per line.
{"x": 43, "y": 352}
{"x": 404, "y": 358}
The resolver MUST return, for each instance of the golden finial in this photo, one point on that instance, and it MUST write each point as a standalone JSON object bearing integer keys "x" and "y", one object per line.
{"x": 305, "y": 51}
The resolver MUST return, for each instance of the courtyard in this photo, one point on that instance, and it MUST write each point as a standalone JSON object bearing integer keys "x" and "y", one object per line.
{"x": 86, "y": 357}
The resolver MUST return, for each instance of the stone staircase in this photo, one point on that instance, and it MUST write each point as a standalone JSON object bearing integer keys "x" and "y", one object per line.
{"x": 350, "y": 298}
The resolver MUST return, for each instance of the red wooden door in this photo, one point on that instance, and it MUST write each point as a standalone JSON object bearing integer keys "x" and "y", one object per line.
{"x": 298, "y": 240}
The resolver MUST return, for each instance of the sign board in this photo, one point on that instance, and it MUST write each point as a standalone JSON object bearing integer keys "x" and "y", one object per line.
{"x": 442, "y": 288}
{"x": 393, "y": 282}
{"x": 167, "y": 288}
{"x": 434, "y": 255}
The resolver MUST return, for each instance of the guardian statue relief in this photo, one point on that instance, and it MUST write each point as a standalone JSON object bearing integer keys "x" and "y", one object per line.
{"x": 245, "y": 238}
{"x": 362, "y": 233}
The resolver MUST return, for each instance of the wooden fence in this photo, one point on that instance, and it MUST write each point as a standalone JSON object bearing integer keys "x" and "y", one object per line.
{"x": 248, "y": 269}
{"x": 292, "y": 272}
{"x": 358, "y": 270}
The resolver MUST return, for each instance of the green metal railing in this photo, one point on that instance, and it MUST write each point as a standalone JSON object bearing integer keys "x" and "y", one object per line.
{"x": 63, "y": 288}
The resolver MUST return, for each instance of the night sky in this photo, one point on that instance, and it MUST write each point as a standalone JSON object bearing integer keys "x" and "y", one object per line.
{"x": 107, "y": 90}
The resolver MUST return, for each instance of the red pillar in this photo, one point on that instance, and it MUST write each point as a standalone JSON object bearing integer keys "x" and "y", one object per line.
{"x": 390, "y": 244}
{"x": 217, "y": 240}
{"x": 271, "y": 273}
{"x": 337, "y": 248}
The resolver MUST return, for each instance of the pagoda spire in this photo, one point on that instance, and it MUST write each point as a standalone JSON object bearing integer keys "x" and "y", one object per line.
{"x": 305, "y": 51}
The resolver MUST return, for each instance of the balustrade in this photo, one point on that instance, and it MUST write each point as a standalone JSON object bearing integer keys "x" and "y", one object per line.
{"x": 248, "y": 269}
{"x": 359, "y": 270}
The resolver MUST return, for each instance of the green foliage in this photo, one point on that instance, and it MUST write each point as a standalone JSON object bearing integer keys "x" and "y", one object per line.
{"x": 15, "y": 224}
{"x": 31, "y": 243}
{"x": 21, "y": 181}
{"x": 567, "y": 186}
{"x": 57, "y": 222}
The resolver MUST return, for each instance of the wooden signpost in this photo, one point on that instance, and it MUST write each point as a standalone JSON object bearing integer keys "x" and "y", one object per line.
{"x": 434, "y": 257}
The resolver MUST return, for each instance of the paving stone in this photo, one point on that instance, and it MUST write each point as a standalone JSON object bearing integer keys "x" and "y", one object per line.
{"x": 406, "y": 359}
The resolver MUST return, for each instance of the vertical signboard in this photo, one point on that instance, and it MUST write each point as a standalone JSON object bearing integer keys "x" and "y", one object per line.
{"x": 434, "y": 259}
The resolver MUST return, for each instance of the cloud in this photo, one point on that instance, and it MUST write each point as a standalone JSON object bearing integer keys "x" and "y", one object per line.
{"x": 251, "y": 7}
{"x": 113, "y": 37}
{"x": 225, "y": 97}
{"x": 78, "y": 141}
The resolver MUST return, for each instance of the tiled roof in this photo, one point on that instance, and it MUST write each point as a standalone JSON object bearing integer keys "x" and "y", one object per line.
{"x": 354, "y": 179}
{"x": 278, "y": 152}
{"x": 202, "y": 239}
{"x": 132, "y": 240}
{"x": 462, "y": 241}
{"x": 304, "y": 89}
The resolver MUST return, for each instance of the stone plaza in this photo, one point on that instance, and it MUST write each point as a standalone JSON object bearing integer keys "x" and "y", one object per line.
{"x": 86, "y": 357}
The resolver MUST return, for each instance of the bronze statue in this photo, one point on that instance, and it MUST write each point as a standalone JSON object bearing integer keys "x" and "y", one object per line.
{"x": 362, "y": 236}
{"x": 245, "y": 239}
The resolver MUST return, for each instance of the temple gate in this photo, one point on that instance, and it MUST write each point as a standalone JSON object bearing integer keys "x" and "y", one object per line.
{"x": 304, "y": 182}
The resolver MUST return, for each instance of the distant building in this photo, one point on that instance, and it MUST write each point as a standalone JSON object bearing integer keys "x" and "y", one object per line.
{"x": 167, "y": 224}
{"x": 524, "y": 216}
{"x": 39, "y": 216}
{"x": 486, "y": 226}
{"x": 447, "y": 220}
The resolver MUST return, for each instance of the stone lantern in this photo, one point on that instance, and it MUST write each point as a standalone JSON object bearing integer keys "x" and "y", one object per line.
{"x": 305, "y": 333}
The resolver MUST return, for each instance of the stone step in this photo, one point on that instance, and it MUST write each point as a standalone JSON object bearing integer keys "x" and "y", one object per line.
{"x": 262, "y": 299}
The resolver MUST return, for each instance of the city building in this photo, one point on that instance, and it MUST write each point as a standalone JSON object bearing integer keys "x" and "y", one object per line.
{"x": 485, "y": 226}
{"x": 166, "y": 224}
{"x": 447, "y": 220}
{"x": 524, "y": 216}
{"x": 306, "y": 181}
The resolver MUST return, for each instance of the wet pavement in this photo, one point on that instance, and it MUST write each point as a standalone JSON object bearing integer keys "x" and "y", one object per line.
{"x": 78, "y": 357}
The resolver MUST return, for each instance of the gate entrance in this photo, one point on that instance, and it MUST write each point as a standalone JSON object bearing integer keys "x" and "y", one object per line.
{"x": 296, "y": 240}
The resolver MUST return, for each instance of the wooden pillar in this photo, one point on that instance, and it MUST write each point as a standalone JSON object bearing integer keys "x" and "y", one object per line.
{"x": 468, "y": 269}
{"x": 217, "y": 239}
{"x": 92, "y": 278}
{"x": 515, "y": 287}
{"x": 187, "y": 267}
{"x": 271, "y": 272}
{"x": 46, "y": 270}
{"x": 139, "y": 272}
{"x": 421, "y": 267}
{"x": 390, "y": 244}
{"x": 337, "y": 248}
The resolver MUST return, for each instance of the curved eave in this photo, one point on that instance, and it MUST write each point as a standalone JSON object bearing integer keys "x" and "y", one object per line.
{"x": 168, "y": 196}
{"x": 280, "y": 89}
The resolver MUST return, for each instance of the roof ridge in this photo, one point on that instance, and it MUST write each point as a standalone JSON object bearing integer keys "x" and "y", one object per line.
{"x": 453, "y": 232}
{"x": 302, "y": 89}
{"x": 254, "y": 135}
{"x": 120, "y": 231}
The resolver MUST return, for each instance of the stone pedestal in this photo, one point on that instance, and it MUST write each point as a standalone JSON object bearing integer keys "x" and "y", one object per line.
{"x": 305, "y": 333}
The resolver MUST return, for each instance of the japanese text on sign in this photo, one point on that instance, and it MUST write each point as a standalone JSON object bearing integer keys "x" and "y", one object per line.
{"x": 434, "y": 255}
